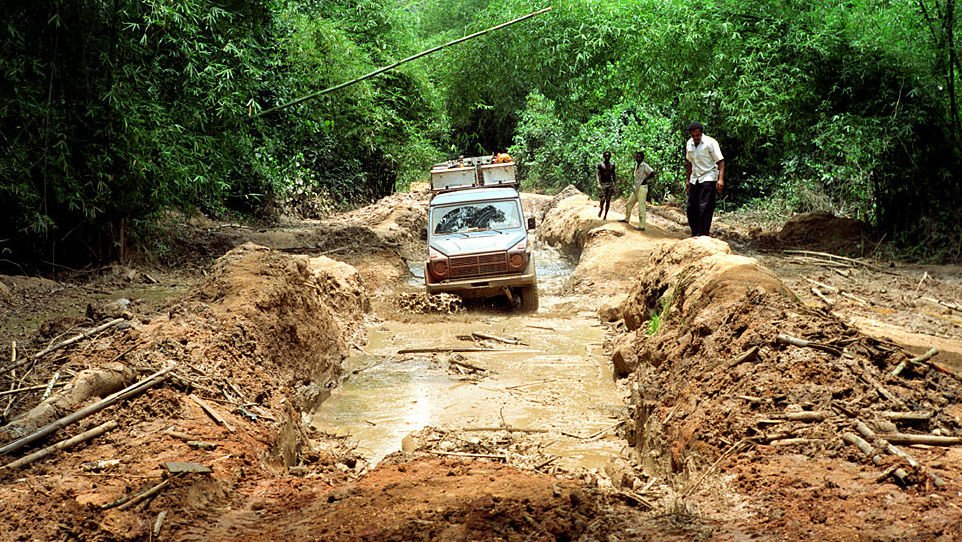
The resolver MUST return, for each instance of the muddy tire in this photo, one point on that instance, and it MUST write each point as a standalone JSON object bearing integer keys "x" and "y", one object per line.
{"x": 529, "y": 298}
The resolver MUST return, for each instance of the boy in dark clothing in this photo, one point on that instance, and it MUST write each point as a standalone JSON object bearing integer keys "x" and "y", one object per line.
{"x": 605, "y": 176}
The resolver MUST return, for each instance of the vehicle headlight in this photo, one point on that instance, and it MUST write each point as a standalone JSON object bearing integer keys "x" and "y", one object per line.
{"x": 439, "y": 262}
{"x": 518, "y": 255}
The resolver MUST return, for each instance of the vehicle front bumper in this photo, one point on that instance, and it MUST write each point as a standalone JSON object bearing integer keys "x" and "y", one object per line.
{"x": 482, "y": 286}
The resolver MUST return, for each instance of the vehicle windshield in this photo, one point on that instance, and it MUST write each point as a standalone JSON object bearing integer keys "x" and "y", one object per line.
{"x": 469, "y": 217}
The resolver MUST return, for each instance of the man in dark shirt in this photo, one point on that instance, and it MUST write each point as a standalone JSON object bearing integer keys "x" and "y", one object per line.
{"x": 605, "y": 176}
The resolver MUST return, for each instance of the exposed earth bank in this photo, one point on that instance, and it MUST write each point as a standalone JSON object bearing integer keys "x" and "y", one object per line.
{"x": 747, "y": 397}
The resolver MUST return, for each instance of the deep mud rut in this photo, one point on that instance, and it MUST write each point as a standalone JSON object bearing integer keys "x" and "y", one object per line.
{"x": 589, "y": 423}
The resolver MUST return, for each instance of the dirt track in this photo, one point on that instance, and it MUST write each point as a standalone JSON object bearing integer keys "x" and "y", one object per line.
{"x": 300, "y": 356}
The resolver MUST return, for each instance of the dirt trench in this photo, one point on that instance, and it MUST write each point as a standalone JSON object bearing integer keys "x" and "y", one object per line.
{"x": 715, "y": 431}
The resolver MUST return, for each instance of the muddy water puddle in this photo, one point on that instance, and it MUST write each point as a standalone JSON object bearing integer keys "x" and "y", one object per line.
{"x": 558, "y": 383}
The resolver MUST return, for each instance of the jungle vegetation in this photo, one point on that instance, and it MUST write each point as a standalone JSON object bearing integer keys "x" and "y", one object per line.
{"x": 117, "y": 112}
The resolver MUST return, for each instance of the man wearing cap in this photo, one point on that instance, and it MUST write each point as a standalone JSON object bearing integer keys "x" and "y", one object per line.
{"x": 706, "y": 177}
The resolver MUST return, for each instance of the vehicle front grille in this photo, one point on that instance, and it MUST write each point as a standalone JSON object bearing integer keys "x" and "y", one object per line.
{"x": 479, "y": 265}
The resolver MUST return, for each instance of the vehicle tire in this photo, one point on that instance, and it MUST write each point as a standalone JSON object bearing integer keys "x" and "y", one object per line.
{"x": 529, "y": 298}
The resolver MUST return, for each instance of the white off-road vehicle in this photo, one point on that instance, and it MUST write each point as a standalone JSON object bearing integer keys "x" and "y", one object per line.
{"x": 477, "y": 234}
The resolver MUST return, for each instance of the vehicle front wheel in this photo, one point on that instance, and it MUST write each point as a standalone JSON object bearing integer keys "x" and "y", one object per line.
{"x": 529, "y": 298}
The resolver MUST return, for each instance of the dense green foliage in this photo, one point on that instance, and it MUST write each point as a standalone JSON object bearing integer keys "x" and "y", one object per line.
{"x": 120, "y": 110}
{"x": 840, "y": 105}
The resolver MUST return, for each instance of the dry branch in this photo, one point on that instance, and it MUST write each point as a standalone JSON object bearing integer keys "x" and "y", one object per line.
{"x": 117, "y": 397}
{"x": 63, "y": 444}
{"x": 932, "y": 352}
{"x": 747, "y": 355}
{"x": 467, "y": 366}
{"x": 928, "y": 440}
{"x": 465, "y": 454}
{"x": 795, "y": 341}
{"x": 485, "y": 336}
{"x": 85, "y": 335}
{"x": 444, "y": 349}
{"x": 29, "y": 388}
{"x": 212, "y": 412}
{"x": 907, "y": 416}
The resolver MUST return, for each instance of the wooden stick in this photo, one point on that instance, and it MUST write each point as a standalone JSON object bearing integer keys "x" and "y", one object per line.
{"x": 496, "y": 338}
{"x": 891, "y": 449}
{"x": 464, "y": 454}
{"x": 869, "y": 451}
{"x": 907, "y": 416}
{"x": 839, "y": 258}
{"x": 529, "y": 384}
{"x": 445, "y": 349}
{"x": 747, "y": 355}
{"x": 30, "y": 388}
{"x": 546, "y": 328}
{"x": 112, "y": 399}
{"x": 932, "y": 352}
{"x": 468, "y": 366}
{"x": 795, "y": 341}
{"x": 856, "y": 299}
{"x": 925, "y": 275}
{"x": 951, "y": 306}
{"x": 929, "y": 440}
{"x": 49, "y": 388}
{"x": 62, "y": 445}
{"x": 128, "y": 501}
{"x": 821, "y": 261}
{"x": 823, "y": 286}
{"x": 211, "y": 412}
{"x": 159, "y": 523}
{"x": 818, "y": 293}
{"x": 507, "y": 428}
{"x": 82, "y": 336}
{"x": 807, "y": 416}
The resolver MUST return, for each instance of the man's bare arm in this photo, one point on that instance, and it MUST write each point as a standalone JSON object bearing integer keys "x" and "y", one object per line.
{"x": 721, "y": 176}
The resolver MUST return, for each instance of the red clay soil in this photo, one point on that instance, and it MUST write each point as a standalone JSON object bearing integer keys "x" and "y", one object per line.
{"x": 698, "y": 400}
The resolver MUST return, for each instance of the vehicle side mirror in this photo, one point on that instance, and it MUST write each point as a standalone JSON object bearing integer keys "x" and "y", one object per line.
{"x": 424, "y": 234}
{"x": 531, "y": 223}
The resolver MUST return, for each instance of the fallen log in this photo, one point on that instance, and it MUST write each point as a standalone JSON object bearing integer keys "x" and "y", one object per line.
{"x": 117, "y": 397}
{"x": 62, "y": 445}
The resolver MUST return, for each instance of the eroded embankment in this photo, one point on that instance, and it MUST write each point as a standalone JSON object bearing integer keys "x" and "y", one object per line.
{"x": 715, "y": 391}
{"x": 259, "y": 341}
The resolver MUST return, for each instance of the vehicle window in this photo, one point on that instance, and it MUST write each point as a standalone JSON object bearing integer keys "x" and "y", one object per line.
{"x": 476, "y": 217}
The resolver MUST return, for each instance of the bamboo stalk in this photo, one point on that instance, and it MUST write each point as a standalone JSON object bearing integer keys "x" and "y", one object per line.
{"x": 112, "y": 399}
{"x": 62, "y": 445}
{"x": 400, "y": 62}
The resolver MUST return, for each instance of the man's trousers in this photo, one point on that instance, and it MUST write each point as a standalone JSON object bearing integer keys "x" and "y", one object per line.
{"x": 701, "y": 207}
{"x": 638, "y": 195}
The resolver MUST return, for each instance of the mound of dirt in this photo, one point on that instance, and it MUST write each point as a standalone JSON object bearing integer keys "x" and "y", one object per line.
{"x": 820, "y": 230}
{"x": 716, "y": 374}
{"x": 262, "y": 338}
{"x": 611, "y": 252}
{"x": 427, "y": 499}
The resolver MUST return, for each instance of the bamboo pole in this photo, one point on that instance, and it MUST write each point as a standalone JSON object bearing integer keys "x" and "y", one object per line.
{"x": 399, "y": 62}
{"x": 117, "y": 397}
{"x": 63, "y": 444}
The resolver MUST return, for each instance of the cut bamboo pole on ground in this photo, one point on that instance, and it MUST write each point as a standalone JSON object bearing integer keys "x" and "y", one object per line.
{"x": 928, "y": 440}
{"x": 465, "y": 454}
{"x": 485, "y": 336}
{"x": 110, "y": 400}
{"x": 62, "y": 445}
{"x": 795, "y": 341}
{"x": 932, "y": 352}
{"x": 212, "y": 412}
{"x": 892, "y": 449}
{"x": 869, "y": 451}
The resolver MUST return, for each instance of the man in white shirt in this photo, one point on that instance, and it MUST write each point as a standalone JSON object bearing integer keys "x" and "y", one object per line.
{"x": 706, "y": 176}
{"x": 639, "y": 194}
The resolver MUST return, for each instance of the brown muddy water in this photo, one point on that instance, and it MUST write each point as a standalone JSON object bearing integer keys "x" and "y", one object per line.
{"x": 559, "y": 382}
